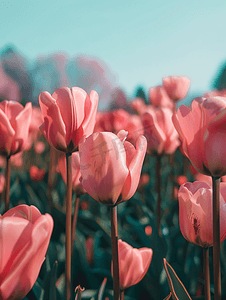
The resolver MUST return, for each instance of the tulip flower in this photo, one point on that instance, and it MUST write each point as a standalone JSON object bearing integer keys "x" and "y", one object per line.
{"x": 196, "y": 213}
{"x": 14, "y": 125}
{"x": 24, "y": 239}
{"x": 68, "y": 115}
{"x": 111, "y": 166}
{"x": 176, "y": 86}
{"x": 37, "y": 174}
{"x": 162, "y": 138}
{"x": 76, "y": 173}
{"x": 202, "y": 132}
{"x": 159, "y": 98}
{"x": 133, "y": 264}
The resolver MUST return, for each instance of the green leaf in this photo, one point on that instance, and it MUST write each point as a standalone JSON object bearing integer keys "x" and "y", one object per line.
{"x": 168, "y": 297}
{"x": 52, "y": 290}
{"x": 176, "y": 286}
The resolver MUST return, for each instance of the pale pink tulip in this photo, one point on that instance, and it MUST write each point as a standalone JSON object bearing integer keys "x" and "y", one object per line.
{"x": 138, "y": 105}
{"x": 202, "y": 131}
{"x": 14, "y": 125}
{"x": 76, "y": 173}
{"x": 133, "y": 264}
{"x": 24, "y": 239}
{"x": 159, "y": 98}
{"x": 111, "y": 166}
{"x": 176, "y": 86}
{"x": 196, "y": 213}
{"x": 162, "y": 138}
{"x": 68, "y": 115}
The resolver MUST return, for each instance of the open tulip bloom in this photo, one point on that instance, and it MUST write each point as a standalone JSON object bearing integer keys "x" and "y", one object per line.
{"x": 68, "y": 115}
{"x": 196, "y": 213}
{"x": 202, "y": 131}
{"x": 111, "y": 166}
{"x": 24, "y": 239}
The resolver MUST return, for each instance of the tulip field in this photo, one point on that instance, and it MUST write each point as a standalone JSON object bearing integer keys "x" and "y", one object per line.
{"x": 127, "y": 204}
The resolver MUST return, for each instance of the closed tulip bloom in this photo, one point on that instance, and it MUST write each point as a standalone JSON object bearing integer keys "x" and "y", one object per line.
{"x": 68, "y": 115}
{"x": 162, "y": 138}
{"x": 176, "y": 86}
{"x": 111, "y": 166}
{"x": 76, "y": 173}
{"x": 159, "y": 97}
{"x": 196, "y": 213}
{"x": 202, "y": 132}
{"x": 24, "y": 239}
{"x": 14, "y": 125}
{"x": 133, "y": 264}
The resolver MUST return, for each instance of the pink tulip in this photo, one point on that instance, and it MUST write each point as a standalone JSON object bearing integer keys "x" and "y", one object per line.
{"x": 159, "y": 98}
{"x": 162, "y": 138}
{"x": 196, "y": 213}
{"x": 14, "y": 125}
{"x": 176, "y": 86}
{"x": 76, "y": 173}
{"x": 138, "y": 105}
{"x": 37, "y": 174}
{"x": 68, "y": 115}
{"x": 24, "y": 239}
{"x": 111, "y": 166}
{"x": 133, "y": 264}
{"x": 202, "y": 132}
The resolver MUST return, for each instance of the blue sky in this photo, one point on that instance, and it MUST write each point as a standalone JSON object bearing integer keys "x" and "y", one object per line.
{"x": 141, "y": 41}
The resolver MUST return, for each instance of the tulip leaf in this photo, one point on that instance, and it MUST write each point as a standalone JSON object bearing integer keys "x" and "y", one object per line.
{"x": 168, "y": 297}
{"x": 176, "y": 286}
{"x": 52, "y": 290}
{"x": 102, "y": 288}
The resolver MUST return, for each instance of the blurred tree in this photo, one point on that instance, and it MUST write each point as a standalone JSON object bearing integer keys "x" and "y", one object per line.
{"x": 140, "y": 93}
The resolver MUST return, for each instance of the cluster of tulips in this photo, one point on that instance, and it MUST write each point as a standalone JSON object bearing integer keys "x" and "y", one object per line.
{"x": 102, "y": 154}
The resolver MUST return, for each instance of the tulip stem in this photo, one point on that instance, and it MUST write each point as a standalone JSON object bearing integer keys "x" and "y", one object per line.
{"x": 74, "y": 223}
{"x": 68, "y": 228}
{"x": 114, "y": 245}
{"x": 52, "y": 162}
{"x": 158, "y": 177}
{"x": 216, "y": 238}
{"x": 7, "y": 182}
{"x": 206, "y": 271}
{"x": 122, "y": 295}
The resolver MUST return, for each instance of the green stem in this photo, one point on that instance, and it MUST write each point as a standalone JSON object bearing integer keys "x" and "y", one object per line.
{"x": 114, "y": 245}
{"x": 158, "y": 209}
{"x": 216, "y": 238}
{"x": 68, "y": 228}
{"x": 206, "y": 271}
{"x": 7, "y": 182}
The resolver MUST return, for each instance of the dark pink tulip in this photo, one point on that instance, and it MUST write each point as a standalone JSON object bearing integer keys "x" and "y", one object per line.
{"x": 133, "y": 264}
{"x": 196, "y": 213}
{"x": 24, "y": 239}
{"x": 176, "y": 86}
{"x": 76, "y": 173}
{"x": 68, "y": 115}
{"x": 161, "y": 135}
{"x": 111, "y": 166}
{"x": 202, "y": 131}
{"x": 14, "y": 125}
{"x": 37, "y": 174}
{"x": 159, "y": 98}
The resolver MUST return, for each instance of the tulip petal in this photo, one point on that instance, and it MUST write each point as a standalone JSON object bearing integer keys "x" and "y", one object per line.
{"x": 103, "y": 166}
{"x": 7, "y": 134}
{"x": 25, "y": 245}
{"x": 53, "y": 127}
{"x": 135, "y": 160}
